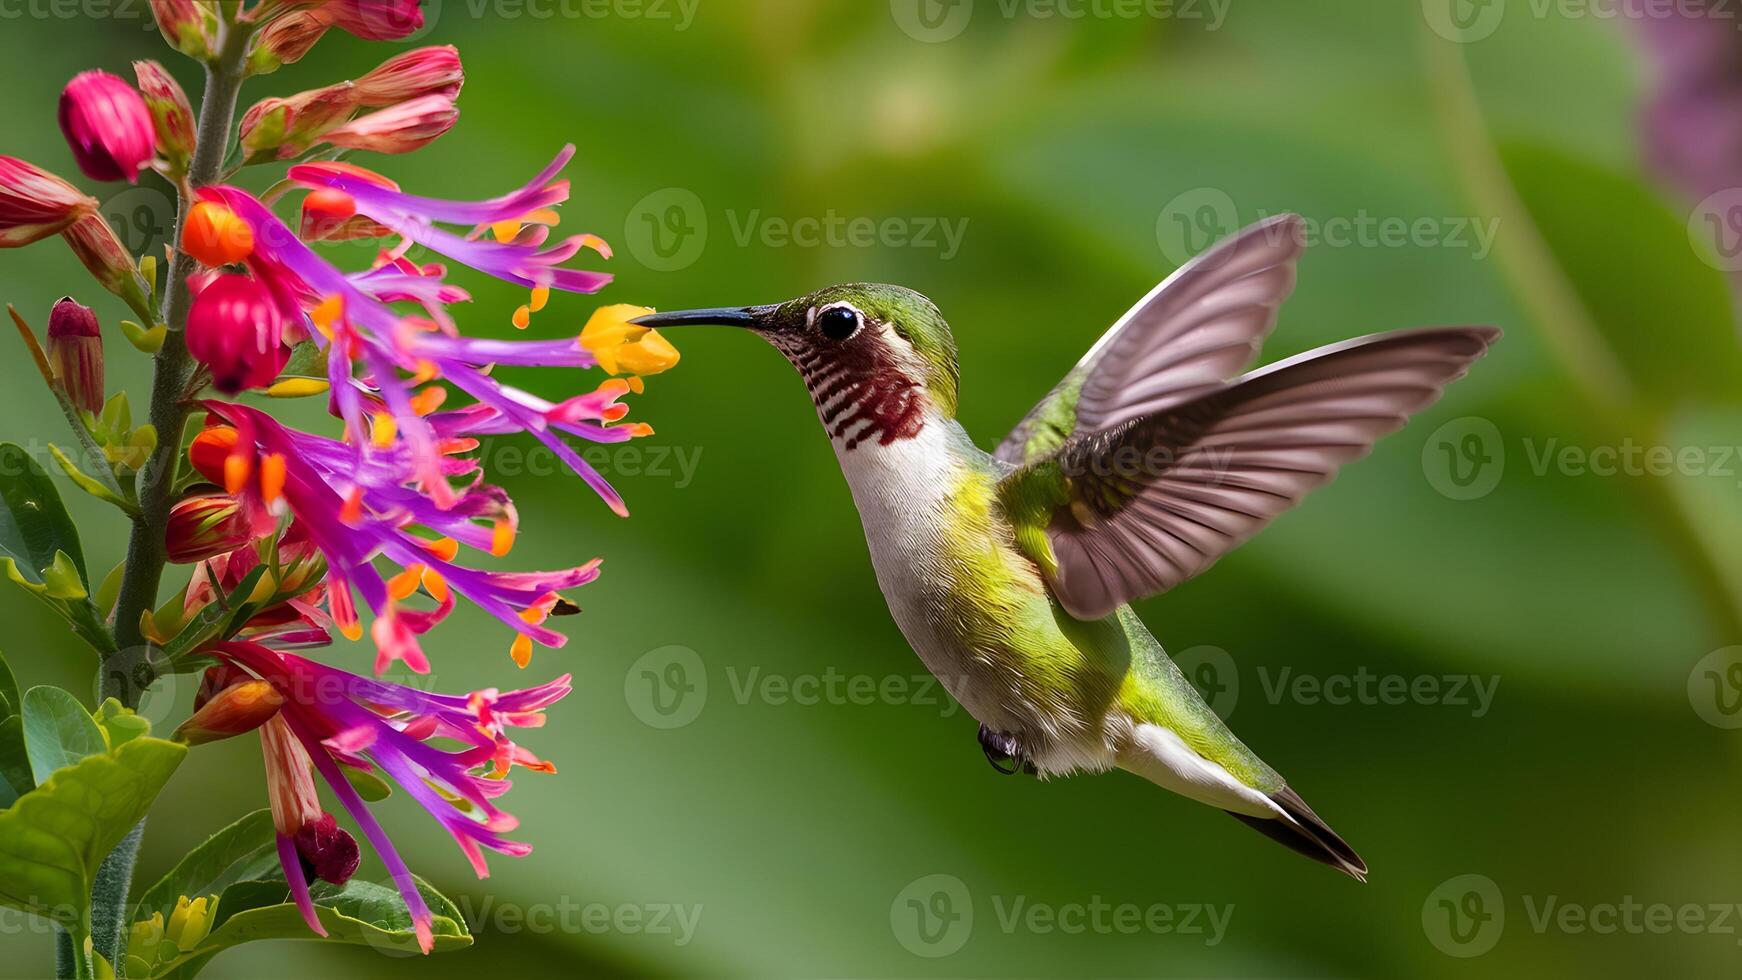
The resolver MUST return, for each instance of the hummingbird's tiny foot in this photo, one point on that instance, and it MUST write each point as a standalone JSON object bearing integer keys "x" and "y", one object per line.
{"x": 1003, "y": 752}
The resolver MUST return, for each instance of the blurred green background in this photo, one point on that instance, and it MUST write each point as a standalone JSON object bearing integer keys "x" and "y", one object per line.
{"x": 1080, "y": 159}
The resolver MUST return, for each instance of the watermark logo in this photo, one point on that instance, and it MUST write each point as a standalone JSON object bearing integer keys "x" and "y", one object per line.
{"x": 932, "y": 21}
{"x": 141, "y": 218}
{"x": 1464, "y": 916}
{"x": 1715, "y": 688}
{"x": 1465, "y": 458}
{"x": 1193, "y": 221}
{"x": 666, "y": 688}
{"x": 134, "y": 676}
{"x": 1211, "y": 670}
{"x": 667, "y": 230}
{"x": 1464, "y": 21}
{"x": 1715, "y": 230}
{"x": 933, "y": 916}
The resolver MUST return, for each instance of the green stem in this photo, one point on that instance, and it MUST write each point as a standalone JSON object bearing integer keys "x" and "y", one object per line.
{"x": 174, "y": 367}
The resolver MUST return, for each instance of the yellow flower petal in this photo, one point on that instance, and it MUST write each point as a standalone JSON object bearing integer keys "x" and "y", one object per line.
{"x": 622, "y": 347}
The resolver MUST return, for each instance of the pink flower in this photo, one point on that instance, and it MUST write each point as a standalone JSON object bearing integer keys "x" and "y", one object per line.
{"x": 108, "y": 126}
{"x": 35, "y": 204}
{"x": 235, "y": 329}
{"x": 375, "y": 20}
{"x": 401, "y": 128}
{"x": 425, "y": 71}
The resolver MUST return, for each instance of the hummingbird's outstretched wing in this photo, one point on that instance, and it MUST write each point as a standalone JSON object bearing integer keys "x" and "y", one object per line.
{"x": 1135, "y": 508}
{"x": 1192, "y": 333}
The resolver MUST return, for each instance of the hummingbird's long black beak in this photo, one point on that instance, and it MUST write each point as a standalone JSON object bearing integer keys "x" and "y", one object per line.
{"x": 723, "y": 316}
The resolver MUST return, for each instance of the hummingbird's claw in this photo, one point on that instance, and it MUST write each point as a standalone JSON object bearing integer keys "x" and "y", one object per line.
{"x": 1001, "y": 748}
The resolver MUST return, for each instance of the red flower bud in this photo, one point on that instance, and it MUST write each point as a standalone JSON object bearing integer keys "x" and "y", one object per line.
{"x": 206, "y": 526}
{"x": 400, "y": 129}
{"x": 35, "y": 204}
{"x": 75, "y": 352}
{"x": 236, "y": 329}
{"x": 190, "y": 27}
{"x": 328, "y": 851}
{"x": 285, "y": 41}
{"x": 108, "y": 126}
{"x": 375, "y": 20}
{"x": 236, "y": 710}
{"x": 94, "y": 242}
{"x": 426, "y": 71}
{"x": 171, "y": 115}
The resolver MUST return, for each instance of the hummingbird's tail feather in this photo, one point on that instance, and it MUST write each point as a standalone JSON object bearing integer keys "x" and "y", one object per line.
{"x": 1299, "y": 829}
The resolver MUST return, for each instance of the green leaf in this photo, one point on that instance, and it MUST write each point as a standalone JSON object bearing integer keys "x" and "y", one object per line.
{"x": 88, "y": 483}
{"x": 359, "y": 913}
{"x": 120, "y": 724}
{"x": 14, "y": 761}
{"x": 8, "y": 690}
{"x": 372, "y": 788}
{"x": 1662, "y": 310}
{"x": 306, "y": 361}
{"x": 239, "y": 852}
{"x": 33, "y": 521}
{"x": 58, "y": 731}
{"x": 54, "y": 837}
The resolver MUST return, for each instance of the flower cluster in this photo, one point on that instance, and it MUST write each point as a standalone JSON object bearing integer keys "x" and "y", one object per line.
{"x": 363, "y": 527}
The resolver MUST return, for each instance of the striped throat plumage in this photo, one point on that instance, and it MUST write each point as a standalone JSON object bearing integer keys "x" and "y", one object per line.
{"x": 1010, "y": 573}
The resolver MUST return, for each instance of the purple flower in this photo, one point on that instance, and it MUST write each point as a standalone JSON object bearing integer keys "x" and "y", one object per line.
{"x": 338, "y": 720}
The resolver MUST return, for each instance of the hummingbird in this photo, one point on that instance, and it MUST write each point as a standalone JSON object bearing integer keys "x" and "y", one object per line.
{"x": 1011, "y": 573}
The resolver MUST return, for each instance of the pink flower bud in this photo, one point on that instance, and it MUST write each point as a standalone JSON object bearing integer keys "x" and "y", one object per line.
{"x": 426, "y": 71}
{"x": 375, "y": 20}
{"x": 171, "y": 115}
{"x": 285, "y": 41}
{"x": 35, "y": 204}
{"x": 236, "y": 329}
{"x": 75, "y": 352}
{"x": 94, "y": 242}
{"x": 108, "y": 126}
{"x": 284, "y": 128}
{"x": 189, "y": 26}
{"x": 399, "y": 129}
{"x": 206, "y": 526}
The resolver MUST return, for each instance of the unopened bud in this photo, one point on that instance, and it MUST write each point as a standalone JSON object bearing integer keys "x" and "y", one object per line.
{"x": 75, "y": 352}
{"x": 206, "y": 526}
{"x": 401, "y": 128}
{"x": 189, "y": 26}
{"x": 171, "y": 115}
{"x": 108, "y": 126}
{"x": 327, "y": 850}
{"x": 236, "y": 710}
{"x": 414, "y": 74}
{"x": 285, "y": 41}
{"x": 94, "y": 242}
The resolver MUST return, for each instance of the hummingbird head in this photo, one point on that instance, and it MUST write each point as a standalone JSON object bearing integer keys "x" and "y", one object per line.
{"x": 876, "y": 358}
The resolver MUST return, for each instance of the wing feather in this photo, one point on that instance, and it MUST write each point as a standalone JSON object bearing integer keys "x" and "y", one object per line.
{"x": 1155, "y": 500}
{"x": 1187, "y": 337}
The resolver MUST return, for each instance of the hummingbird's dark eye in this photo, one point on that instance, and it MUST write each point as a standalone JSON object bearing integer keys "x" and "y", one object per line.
{"x": 838, "y": 322}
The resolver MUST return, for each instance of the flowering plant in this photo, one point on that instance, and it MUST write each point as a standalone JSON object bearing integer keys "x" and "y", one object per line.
{"x": 290, "y": 538}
